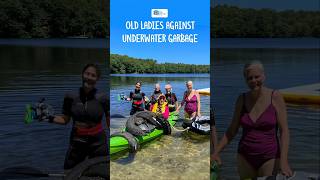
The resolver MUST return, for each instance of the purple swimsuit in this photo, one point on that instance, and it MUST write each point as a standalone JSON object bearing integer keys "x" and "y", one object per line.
{"x": 191, "y": 105}
{"x": 259, "y": 142}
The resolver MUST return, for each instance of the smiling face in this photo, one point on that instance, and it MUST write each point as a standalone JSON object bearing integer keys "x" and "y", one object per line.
{"x": 161, "y": 100}
{"x": 157, "y": 87}
{"x": 254, "y": 76}
{"x": 89, "y": 77}
{"x": 138, "y": 86}
{"x": 189, "y": 85}
{"x": 168, "y": 88}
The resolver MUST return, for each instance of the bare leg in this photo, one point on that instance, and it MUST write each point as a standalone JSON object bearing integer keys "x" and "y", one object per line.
{"x": 245, "y": 169}
{"x": 188, "y": 116}
{"x": 193, "y": 115}
{"x": 269, "y": 168}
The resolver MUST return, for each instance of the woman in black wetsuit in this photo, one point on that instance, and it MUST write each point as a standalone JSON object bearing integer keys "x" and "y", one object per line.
{"x": 138, "y": 99}
{"x": 86, "y": 107}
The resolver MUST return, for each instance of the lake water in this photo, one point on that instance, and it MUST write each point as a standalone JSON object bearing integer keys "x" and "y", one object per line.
{"x": 284, "y": 68}
{"x": 33, "y": 68}
{"x": 29, "y": 73}
{"x": 178, "y": 156}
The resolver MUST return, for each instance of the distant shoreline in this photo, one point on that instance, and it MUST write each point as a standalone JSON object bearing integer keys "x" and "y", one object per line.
{"x": 232, "y": 21}
{"x": 123, "y": 64}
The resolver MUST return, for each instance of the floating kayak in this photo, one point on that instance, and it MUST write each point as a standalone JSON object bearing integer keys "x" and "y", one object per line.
{"x": 205, "y": 91}
{"x": 200, "y": 125}
{"x": 307, "y": 94}
{"x": 120, "y": 143}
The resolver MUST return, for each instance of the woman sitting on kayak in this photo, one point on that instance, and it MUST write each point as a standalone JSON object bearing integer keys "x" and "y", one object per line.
{"x": 86, "y": 107}
{"x": 260, "y": 112}
{"x": 161, "y": 107}
{"x": 191, "y": 100}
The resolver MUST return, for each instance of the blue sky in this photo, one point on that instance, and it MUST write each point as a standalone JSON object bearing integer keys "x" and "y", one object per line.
{"x": 272, "y": 4}
{"x": 140, "y": 10}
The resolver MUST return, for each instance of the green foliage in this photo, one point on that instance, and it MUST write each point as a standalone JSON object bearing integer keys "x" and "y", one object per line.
{"x": 231, "y": 21}
{"x": 122, "y": 64}
{"x": 53, "y": 18}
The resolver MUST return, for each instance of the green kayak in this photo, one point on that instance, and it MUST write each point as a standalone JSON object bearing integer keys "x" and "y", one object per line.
{"x": 119, "y": 143}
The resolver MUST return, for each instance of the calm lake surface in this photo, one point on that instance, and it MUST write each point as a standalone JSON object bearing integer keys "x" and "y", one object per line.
{"x": 179, "y": 156}
{"x": 29, "y": 73}
{"x": 33, "y": 68}
{"x": 284, "y": 68}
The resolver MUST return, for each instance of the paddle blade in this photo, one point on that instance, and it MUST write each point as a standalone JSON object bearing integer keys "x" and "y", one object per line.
{"x": 28, "y": 115}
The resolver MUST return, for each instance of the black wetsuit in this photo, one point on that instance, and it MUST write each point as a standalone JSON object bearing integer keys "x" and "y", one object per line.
{"x": 171, "y": 99}
{"x": 138, "y": 103}
{"x": 85, "y": 142}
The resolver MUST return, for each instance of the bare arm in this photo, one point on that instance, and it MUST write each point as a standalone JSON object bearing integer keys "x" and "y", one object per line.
{"x": 281, "y": 109}
{"x": 130, "y": 97}
{"x": 61, "y": 119}
{"x": 176, "y": 104}
{"x": 198, "y": 104}
{"x": 181, "y": 104}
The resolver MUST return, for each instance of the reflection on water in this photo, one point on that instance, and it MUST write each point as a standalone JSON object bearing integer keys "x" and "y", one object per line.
{"x": 28, "y": 74}
{"x": 284, "y": 68}
{"x": 178, "y": 156}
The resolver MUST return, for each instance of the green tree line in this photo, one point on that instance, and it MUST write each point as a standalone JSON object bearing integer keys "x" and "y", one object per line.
{"x": 122, "y": 64}
{"x": 90, "y": 18}
{"x": 53, "y": 18}
{"x": 231, "y": 21}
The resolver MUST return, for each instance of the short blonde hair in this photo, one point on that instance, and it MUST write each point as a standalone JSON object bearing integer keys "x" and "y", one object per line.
{"x": 252, "y": 63}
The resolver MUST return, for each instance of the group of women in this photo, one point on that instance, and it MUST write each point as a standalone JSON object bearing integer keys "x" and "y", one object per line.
{"x": 261, "y": 112}
{"x": 165, "y": 103}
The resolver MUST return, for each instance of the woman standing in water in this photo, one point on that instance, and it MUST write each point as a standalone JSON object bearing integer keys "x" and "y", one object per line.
{"x": 191, "y": 102}
{"x": 138, "y": 99}
{"x": 260, "y": 112}
{"x": 86, "y": 107}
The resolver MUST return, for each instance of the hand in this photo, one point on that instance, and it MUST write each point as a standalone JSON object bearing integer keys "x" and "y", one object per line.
{"x": 44, "y": 112}
{"x": 285, "y": 168}
{"x": 199, "y": 114}
{"x": 216, "y": 157}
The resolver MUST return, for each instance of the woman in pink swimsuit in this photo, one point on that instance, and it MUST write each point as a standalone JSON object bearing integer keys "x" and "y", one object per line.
{"x": 260, "y": 112}
{"x": 191, "y": 102}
